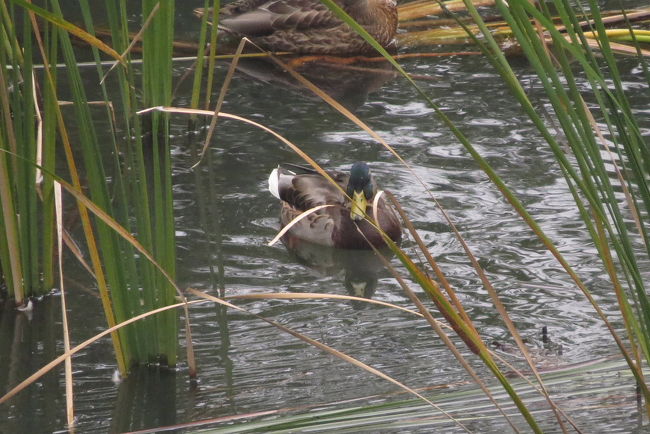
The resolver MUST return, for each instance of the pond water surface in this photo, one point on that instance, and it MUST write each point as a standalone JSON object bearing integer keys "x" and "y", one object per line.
{"x": 225, "y": 216}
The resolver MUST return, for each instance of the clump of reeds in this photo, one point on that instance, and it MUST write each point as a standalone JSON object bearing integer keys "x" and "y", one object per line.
{"x": 136, "y": 161}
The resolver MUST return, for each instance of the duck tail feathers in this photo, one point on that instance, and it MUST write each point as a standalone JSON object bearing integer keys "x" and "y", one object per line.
{"x": 274, "y": 179}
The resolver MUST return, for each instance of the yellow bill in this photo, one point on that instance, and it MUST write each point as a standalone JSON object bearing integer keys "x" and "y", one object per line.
{"x": 359, "y": 203}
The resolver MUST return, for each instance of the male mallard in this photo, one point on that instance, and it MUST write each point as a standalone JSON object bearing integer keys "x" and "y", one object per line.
{"x": 301, "y": 188}
{"x": 308, "y": 26}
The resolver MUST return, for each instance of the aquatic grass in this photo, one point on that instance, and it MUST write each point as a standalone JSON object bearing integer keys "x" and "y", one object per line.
{"x": 58, "y": 205}
{"x": 437, "y": 326}
{"x": 600, "y": 379}
{"x": 601, "y": 213}
{"x": 331, "y": 351}
{"x": 56, "y": 114}
{"x": 124, "y": 234}
{"x": 220, "y": 100}
{"x": 588, "y": 157}
{"x": 212, "y": 51}
{"x": 594, "y": 183}
{"x": 585, "y": 155}
{"x": 521, "y": 345}
{"x": 203, "y": 297}
{"x": 140, "y": 167}
{"x": 467, "y": 334}
{"x": 200, "y": 57}
{"x": 68, "y": 354}
{"x": 26, "y": 242}
{"x": 59, "y": 22}
{"x": 103, "y": 247}
{"x": 142, "y": 183}
{"x": 443, "y": 31}
{"x": 157, "y": 89}
{"x": 10, "y": 260}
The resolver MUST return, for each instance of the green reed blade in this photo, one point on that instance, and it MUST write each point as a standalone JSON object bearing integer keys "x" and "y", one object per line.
{"x": 48, "y": 162}
{"x": 214, "y": 32}
{"x": 58, "y": 20}
{"x": 200, "y": 57}
{"x": 157, "y": 86}
{"x": 464, "y": 331}
{"x": 11, "y": 255}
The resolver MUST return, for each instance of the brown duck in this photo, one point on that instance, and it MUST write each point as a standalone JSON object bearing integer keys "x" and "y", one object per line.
{"x": 301, "y": 188}
{"x": 308, "y": 26}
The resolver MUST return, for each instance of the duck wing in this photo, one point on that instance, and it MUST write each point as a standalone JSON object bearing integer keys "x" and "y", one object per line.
{"x": 238, "y": 7}
{"x": 303, "y": 188}
{"x": 275, "y": 15}
{"x": 308, "y": 191}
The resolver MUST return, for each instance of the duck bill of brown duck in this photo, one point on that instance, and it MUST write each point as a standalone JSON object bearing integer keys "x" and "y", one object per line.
{"x": 358, "y": 207}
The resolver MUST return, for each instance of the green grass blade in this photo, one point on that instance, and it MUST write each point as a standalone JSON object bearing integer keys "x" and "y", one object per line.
{"x": 11, "y": 254}
{"x": 69, "y": 27}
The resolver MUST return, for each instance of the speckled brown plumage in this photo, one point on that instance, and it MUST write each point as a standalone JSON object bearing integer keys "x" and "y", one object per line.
{"x": 308, "y": 26}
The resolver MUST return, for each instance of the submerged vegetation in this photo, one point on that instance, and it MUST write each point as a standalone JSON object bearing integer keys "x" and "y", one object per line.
{"x": 125, "y": 205}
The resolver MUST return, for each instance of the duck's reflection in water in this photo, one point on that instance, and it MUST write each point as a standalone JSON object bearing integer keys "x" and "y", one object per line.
{"x": 346, "y": 80}
{"x": 360, "y": 269}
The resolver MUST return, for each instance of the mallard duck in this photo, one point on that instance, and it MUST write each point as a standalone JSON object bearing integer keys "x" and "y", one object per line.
{"x": 301, "y": 188}
{"x": 308, "y": 26}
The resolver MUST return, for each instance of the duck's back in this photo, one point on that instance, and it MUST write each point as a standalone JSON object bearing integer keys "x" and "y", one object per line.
{"x": 308, "y": 26}
{"x": 257, "y": 18}
{"x": 305, "y": 191}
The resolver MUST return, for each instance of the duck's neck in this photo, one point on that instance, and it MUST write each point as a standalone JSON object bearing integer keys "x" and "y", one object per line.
{"x": 378, "y": 17}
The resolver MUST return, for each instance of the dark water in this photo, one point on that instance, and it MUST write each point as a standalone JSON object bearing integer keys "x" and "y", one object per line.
{"x": 225, "y": 217}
